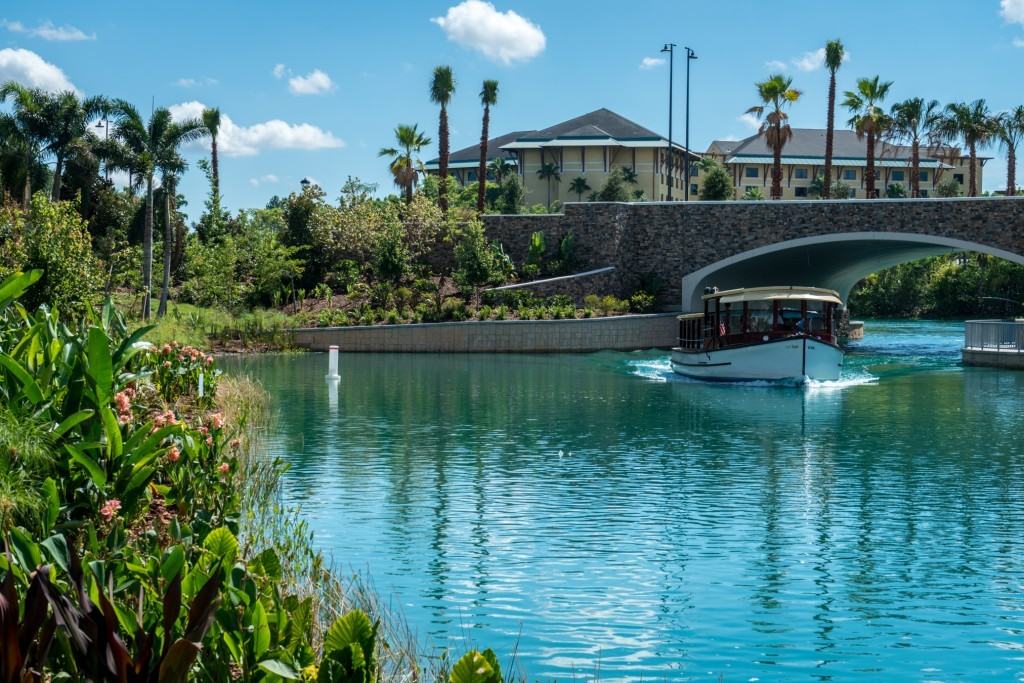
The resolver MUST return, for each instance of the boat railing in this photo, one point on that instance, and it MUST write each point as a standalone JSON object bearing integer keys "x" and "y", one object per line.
{"x": 1006, "y": 336}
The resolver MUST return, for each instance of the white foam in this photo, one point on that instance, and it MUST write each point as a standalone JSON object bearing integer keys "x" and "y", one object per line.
{"x": 660, "y": 370}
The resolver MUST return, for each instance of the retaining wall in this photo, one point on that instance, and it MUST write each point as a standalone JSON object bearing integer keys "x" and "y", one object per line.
{"x": 619, "y": 333}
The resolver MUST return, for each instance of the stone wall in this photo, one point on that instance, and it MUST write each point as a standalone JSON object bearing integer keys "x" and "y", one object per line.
{"x": 621, "y": 333}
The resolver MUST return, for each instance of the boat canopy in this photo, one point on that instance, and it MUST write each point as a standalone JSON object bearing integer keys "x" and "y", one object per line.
{"x": 732, "y": 296}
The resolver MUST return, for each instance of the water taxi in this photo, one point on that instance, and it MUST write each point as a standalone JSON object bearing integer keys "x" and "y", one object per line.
{"x": 786, "y": 334}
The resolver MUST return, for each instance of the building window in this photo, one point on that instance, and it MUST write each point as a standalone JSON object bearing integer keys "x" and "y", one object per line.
{"x": 923, "y": 176}
{"x": 693, "y": 188}
{"x": 924, "y": 193}
{"x": 471, "y": 176}
{"x": 693, "y": 170}
{"x": 897, "y": 176}
{"x": 801, "y": 174}
{"x": 959, "y": 177}
{"x": 800, "y": 191}
{"x": 751, "y": 172}
{"x": 849, "y": 174}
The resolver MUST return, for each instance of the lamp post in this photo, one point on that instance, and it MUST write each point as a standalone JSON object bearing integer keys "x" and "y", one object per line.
{"x": 305, "y": 183}
{"x": 690, "y": 56}
{"x": 104, "y": 123}
{"x": 670, "y": 49}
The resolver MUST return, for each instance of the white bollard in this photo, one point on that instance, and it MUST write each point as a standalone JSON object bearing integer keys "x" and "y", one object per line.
{"x": 202, "y": 390}
{"x": 332, "y": 363}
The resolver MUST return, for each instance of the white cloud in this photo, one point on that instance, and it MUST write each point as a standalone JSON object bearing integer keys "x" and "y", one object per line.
{"x": 809, "y": 61}
{"x": 775, "y": 65}
{"x": 279, "y": 71}
{"x": 238, "y": 141}
{"x": 29, "y": 69}
{"x": 504, "y": 37}
{"x": 316, "y": 82}
{"x": 195, "y": 82}
{"x": 1012, "y": 10}
{"x": 651, "y": 62}
{"x": 1018, "y": 42}
{"x": 268, "y": 179}
{"x": 48, "y": 31}
{"x": 749, "y": 119}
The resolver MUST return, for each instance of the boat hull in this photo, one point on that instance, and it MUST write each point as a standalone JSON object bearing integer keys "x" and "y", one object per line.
{"x": 796, "y": 359}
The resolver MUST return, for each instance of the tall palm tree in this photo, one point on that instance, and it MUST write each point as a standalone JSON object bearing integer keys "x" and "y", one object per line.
{"x": 27, "y": 122}
{"x": 148, "y": 148}
{"x": 442, "y": 87}
{"x": 868, "y": 119}
{"x": 171, "y": 167}
{"x": 20, "y": 167}
{"x": 579, "y": 186}
{"x": 67, "y": 124}
{"x": 974, "y": 124}
{"x": 488, "y": 98}
{"x": 775, "y": 93}
{"x": 834, "y": 54}
{"x": 211, "y": 121}
{"x": 549, "y": 172}
{"x": 404, "y": 167}
{"x": 499, "y": 168}
{"x": 1011, "y": 134}
{"x": 912, "y": 121}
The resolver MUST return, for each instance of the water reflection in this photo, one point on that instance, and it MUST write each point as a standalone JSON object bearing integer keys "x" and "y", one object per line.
{"x": 668, "y": 528}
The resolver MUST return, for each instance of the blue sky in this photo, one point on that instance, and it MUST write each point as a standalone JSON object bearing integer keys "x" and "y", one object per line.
{"x": 315, "y": 88}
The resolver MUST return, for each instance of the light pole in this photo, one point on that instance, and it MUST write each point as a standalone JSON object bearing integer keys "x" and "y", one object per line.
{"x": 670, "y": 49}
{"x": 690, "y": 56}
{"x": 104, "y": 123}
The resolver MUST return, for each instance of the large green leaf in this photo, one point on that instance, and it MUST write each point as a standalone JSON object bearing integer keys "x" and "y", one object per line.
{"x": 354, "y": 627}
{"x": 222, "y": 543}
{"x": 72, "y": 421}
{"x": 96, "y": 473}
{"x": 15, "y": 285}
{"x": 101, "y": 367}
{"x": 57, "y": 548}
{"x": 275, "y": 666}
{"x": 260, "y": 630}
{"x": 112, "y": 430}
{"x": 32, "y": 391}
{"x": 52, "y": 500}
{"x": 475, "y": 667}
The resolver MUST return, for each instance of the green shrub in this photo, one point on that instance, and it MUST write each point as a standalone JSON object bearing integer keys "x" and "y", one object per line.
{"x": 453, "y": 308}
{"x": 592, "y": 301}
{"x": 479, "y": 263}
{"x": 717, "y": 183}
{"x": 641, "y": 302}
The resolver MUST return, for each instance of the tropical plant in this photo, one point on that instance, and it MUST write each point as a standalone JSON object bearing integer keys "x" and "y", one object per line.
{"x": 775, "y": 94}
{"x": 717, "y": 185}
{"x": 753, "y": 193}
{"x": 973, "y": 124}
{"x": 442, "y": 87}
{"x": 895, "y": 191}
{"x": 535, "y": 252}
{"x": 868, "y": 120}
{"x": 910, "y": 122}
{"x": 151, "y": 148}
{"x": 404, "y": 166}
{"x": 478, "y": 262}
{"x": 1011, "y": 134}
{"x": 549, "y": 172}
{"x": 27, "y": 127}
{"x": 949, "y": 188}
{"x": 579, "y": 186}
{"x": 834, "y": 55}
{"x": 211, "y": 121}
{"x": 615, "y": 189}
{"x": 488, "y": 98}
{"x": 512, "y": 195}
{"x": 629, "y": 175}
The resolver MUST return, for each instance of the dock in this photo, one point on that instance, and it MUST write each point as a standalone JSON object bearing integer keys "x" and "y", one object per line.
{"x": 994, "y": 343}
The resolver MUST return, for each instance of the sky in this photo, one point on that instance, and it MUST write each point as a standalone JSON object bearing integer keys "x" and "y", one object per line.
{"x": 315, "y": 88}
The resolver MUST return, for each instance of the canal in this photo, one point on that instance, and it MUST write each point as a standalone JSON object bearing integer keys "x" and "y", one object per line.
{"x": 593, "y": 510}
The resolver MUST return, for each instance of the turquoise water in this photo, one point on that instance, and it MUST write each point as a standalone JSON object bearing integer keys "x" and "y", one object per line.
{"x": 588, "y": 511}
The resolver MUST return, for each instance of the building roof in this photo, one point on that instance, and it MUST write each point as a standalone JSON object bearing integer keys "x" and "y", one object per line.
{"x": 469, "y": 157}
{"x": 810, "y": 143}
{"x": 601, "y": 127}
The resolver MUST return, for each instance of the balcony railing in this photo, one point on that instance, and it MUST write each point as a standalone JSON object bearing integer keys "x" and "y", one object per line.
{"x": 1005, "y": 336}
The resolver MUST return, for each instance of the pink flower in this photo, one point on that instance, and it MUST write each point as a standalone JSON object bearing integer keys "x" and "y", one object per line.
{"x": 209, "y": 360}
{"x": 173, "y": 454}
{"x": 235, "y": 443}
{"x": 181, "y": 359}
{"x": 123, "y": 401}
{"x": 124, "y": 418}
{"x": 159, "y": 421}
{"x": 217, "y": 420}
{"x": 209, "y": 441}
{"x": 224, "y": 468}
{"x": 204, "y": 430}
{"x": 167, "y": 363}
{"x": 170, "y": 419}
{"x": 110, "y": 508}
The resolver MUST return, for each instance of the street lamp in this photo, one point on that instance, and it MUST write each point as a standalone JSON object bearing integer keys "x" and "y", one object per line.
{"x": 670, "y": 49}
{"x": 690, "y": 55}
{"x": 305, "y": 182}
{"x": 104, "y": 123}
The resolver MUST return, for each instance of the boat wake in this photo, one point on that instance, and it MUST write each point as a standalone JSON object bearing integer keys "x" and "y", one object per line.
{"x": 660, "y": 370}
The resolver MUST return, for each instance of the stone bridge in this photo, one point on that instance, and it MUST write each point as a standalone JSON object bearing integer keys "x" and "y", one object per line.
{"x": 830, "y": 244}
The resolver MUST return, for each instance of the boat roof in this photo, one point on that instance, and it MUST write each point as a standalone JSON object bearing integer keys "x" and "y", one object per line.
{"x": 784, "y": 293}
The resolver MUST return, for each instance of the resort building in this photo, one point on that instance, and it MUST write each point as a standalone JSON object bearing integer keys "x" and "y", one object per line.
{"x": 591, "y": 147}
{"x": 749, "y": 161}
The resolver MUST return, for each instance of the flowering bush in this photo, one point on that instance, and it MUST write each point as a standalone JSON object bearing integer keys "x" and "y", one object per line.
{"x": 180, "y": 369}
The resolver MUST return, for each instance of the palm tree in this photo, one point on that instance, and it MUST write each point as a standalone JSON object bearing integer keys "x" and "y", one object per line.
{"x": 67, "y": 125}
{"x": 442, "y": 87}
{"x": 629, "y": 175}
{"x": 148, "y": 148}
{"x": 1011, "y": 134}
{"x": 974, "y": 124}
{"x": 834, "y": 54}
{"x": 579, "y": 186}
{"x": 775, "y": 93}
{"x": 549, "y": 172}
{"x": 171, "y": 167}
{"x": 211, "y": 121}
{"x": 499, "y": 168}
{"x": 20, "y": 167}
{"x": 27, "y": 125}
{"x": 488, "y": 98}
{"x": 869, "y": 120}
{"x": 404, "y": 168}
{"x": 911, "y": 121}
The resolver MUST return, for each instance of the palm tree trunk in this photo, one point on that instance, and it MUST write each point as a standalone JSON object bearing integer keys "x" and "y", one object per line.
{"x": 1011, "y": 170}
{"x": 481, "y": 187}
{"x": 826, "y": 186}
{"x": 161, "y": 311}
{"x": 26, "y": 197}
{"x": 870, "y": 184}
{"x": 58, "y": 171}
{"x": 442, "y": 162}
{"x": 915, "y": 169}
{"x": 972, "y": 188}
{"x": 214, "y": 165}
{"x": 777, "y": 166}
{"x": 147, "y": 249}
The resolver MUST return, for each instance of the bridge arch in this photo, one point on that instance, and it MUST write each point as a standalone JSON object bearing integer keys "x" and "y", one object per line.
{"x": 837, "y": 261}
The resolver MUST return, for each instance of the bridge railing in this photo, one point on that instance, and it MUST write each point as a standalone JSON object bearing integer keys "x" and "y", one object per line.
{"x": 1005, "y": 336}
